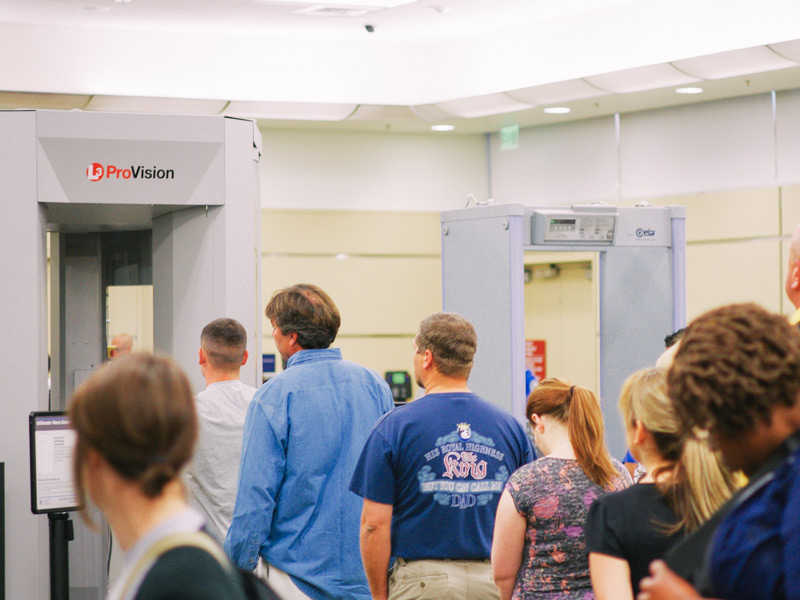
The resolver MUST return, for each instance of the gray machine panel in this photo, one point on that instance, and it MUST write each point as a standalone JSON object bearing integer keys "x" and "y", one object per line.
{"x": 206, "y": 264}
{"x": 96, "y": 158}
{"x": 552, "y": 226}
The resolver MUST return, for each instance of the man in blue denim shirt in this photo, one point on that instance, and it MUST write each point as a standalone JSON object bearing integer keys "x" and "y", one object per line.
{"x": 302, "y": 438}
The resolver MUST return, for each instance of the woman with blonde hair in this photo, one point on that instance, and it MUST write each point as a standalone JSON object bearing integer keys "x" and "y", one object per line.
{"x": 136, "y": 430}
{"x": 538, "y": 549}
{"x": 684, "y": 485}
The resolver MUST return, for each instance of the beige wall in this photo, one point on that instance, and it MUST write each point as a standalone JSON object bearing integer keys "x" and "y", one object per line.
{"x": 130, "y": 310}
{"x": 563, "y": 311}
{"x": 382, "y": 269}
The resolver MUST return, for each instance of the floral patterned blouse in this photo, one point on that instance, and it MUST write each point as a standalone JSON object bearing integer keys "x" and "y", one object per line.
{"x": 554, "y": 496}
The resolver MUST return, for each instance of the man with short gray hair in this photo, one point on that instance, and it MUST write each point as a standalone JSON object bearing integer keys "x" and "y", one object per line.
{"x": 431, "y": 475}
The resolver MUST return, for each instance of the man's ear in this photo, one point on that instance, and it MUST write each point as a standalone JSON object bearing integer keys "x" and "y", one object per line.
{"x": 244, "y": 358}
{"x": 427, "y": 359}
{"x": 293, "y": 339}
{"x": 201, "y": 357}
{"x": 794, "y": 279}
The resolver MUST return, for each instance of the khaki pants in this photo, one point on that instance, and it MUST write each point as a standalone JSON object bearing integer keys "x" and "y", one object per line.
{"x": 442, "y": 580}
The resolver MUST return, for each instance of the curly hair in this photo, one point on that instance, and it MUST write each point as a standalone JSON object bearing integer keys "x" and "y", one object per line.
{"x": 734, "y": 364}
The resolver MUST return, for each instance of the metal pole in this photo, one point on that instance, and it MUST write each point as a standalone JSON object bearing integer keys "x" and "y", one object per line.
{"x": 61, "y": 533}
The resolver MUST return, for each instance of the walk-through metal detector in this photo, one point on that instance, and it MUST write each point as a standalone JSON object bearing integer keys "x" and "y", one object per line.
{"x": 641, "y": 280}
{"x": 129, "y": 199}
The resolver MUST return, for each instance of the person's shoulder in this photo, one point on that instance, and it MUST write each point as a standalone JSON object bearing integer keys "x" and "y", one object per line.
{"x": 189, "y": 573}
{"x": 275, "y": 387}
{"x": 489, "y": 407}
{"x": 625, "y": 479}
{"x": 500, "y": 417}
{"x": 629, "y": 496}
{"x": 398, "y": 415}
{"x": 361, "y": 370}
{"x": 532, "y": 469}
{"x": 535, "y": 475}
{"x": 245, "y": 388}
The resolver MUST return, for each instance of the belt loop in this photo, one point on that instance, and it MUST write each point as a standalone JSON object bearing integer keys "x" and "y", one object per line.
{"x": 401, "y": 561}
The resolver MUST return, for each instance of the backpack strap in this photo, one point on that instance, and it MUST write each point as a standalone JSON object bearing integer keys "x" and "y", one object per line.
{"x": 176, "y": 540}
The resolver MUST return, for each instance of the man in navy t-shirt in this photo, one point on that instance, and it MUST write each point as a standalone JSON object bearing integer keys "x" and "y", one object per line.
{"x": 431, "y": 475}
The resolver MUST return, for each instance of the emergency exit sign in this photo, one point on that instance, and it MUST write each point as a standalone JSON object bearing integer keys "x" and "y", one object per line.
{"x": 509, "y": 137}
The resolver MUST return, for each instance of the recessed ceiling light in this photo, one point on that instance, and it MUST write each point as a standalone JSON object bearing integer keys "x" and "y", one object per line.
{"x": 689, "y": 90}
{"x": 341, "y": 256}
{"x": 123, "y": 1}
{"x": 95, "y": 8}
{"x": 442, "y": 127}
{"x": 557, "y": 110}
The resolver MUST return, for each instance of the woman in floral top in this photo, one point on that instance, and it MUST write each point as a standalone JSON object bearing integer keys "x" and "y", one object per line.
{"x": 539, "y": 550}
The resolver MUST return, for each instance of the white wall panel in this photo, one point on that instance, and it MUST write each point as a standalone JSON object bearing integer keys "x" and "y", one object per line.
{"x": 371, "y": 171}
{"x": 722, "y": 145}
{"x": 788, "y": 136}
{"x": 558, "y": 164}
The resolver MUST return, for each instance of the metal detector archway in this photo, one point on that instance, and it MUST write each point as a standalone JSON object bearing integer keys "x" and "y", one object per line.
{"x": 641, "y": 281}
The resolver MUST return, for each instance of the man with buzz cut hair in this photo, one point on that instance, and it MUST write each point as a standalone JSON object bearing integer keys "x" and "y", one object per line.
{"x": 431, "y": 475}
{"x": 303, "y": 435}
{"x": 221, "y": 409}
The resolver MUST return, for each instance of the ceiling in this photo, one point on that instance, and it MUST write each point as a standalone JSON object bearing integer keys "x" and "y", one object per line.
{"x": 474, "y": 64}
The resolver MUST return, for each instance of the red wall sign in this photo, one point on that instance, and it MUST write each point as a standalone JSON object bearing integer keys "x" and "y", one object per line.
{"x": 536, "y": 358}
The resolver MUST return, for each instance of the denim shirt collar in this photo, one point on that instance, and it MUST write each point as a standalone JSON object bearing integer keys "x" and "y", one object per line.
{"x": 304, "y": 356}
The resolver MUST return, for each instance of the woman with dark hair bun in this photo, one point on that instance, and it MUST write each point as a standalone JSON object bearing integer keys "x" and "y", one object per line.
{"x": 539, "y": 549}
{"x": 136, "y": 430}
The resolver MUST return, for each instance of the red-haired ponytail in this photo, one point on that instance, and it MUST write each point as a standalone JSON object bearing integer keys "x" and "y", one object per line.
{"x": 579, "y": 409}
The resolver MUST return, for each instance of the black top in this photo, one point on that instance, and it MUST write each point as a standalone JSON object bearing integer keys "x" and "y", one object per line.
{"x": 189, "y": 573}
{"x": 630, "y": 525}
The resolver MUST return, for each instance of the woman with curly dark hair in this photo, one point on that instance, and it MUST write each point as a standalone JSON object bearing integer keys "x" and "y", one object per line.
{"x": 736, "y": 376}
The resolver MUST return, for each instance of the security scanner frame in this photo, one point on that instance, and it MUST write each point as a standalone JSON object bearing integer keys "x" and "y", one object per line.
{"x": 642, "y": 292}
{"x": 128, "y": 199}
